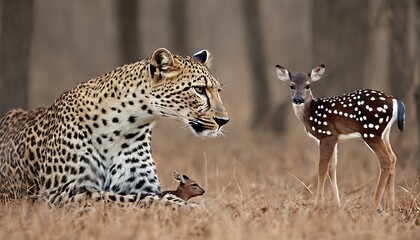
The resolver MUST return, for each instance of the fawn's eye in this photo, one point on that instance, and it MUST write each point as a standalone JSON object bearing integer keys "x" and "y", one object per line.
{"x": 308, "y": 86}
{"x": 200, "y": 89}
{"x": 292, "y": 87}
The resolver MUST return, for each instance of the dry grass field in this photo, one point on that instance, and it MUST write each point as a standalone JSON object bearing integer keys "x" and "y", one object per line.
{"x": 253, "y": 191}
{"x": 259, "y": 185}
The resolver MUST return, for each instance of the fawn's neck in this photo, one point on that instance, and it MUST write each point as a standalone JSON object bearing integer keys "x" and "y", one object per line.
{"x": 302, "y": 111}
{"x": 178, "y": 192}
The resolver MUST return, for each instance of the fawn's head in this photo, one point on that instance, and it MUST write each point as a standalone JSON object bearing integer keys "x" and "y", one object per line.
{"x": 187, "y": 188}
{"x": 300, "y": 83}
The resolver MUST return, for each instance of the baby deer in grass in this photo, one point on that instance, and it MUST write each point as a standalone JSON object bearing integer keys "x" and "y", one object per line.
{"x": 366, "y": 114}
{"x": 187, "y": 188}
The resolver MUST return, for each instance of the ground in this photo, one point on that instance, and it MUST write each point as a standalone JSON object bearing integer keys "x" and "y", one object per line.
{"x": 258, "y": 186}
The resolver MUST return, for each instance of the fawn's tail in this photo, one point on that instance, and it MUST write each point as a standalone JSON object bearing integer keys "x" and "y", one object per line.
{"x": 400, "y": 115}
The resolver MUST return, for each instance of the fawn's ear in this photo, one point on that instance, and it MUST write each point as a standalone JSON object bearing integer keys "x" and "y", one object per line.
{"x": 178, "y": 176}
{"x": 161, "y": 63}
{"x": 282, "y": 73}
{"x": 203, "y": 56}
{"x": 317, "y": 73}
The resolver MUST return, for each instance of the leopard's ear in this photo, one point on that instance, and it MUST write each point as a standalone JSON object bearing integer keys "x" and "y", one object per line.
{"x": 204, "y": 57}
{"x": 161, "y": 63}
{"x": 162, "y": 59}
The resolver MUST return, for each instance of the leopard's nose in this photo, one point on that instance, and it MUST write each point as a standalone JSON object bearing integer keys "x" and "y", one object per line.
{"x": 221, "y": 121}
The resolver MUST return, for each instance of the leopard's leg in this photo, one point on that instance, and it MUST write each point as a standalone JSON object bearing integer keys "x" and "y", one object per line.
{"x": 91, "y": 196}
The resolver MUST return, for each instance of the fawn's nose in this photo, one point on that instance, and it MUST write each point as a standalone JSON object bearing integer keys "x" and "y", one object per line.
{"x": 221, "y": 121}
{"x": 298, "y": 100}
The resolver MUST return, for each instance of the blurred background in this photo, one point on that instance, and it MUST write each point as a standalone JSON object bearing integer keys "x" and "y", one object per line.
{"x": 48, "y": 46}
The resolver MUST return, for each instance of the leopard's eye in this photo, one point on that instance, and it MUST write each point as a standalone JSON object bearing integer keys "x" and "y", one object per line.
{"x": 200, "y": 89}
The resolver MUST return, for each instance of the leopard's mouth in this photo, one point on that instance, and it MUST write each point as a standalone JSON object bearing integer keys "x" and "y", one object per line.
{"x": 203, "y": 130}
{"x": 197, "y": 127}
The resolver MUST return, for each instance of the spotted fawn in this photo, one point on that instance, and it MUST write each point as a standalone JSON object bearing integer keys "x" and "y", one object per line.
{"x": 366, "y": 114}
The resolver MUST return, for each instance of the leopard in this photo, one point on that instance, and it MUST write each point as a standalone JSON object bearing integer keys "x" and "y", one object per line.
{"x": 94, "y": 142}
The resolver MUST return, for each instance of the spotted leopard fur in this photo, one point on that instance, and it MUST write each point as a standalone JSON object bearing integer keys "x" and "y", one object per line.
{"x": 94, "y": 142}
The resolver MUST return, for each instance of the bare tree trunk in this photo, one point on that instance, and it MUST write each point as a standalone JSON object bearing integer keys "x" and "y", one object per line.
{"x": 400, "y": 70}
{"x": 339, "y": 37}
{"x": 178, "y": 21}
{"x": 256, "y": 56}
{"x": 128, "y": 27}
{"x": 417, "y": 92}
{"x": 15, "y": 44}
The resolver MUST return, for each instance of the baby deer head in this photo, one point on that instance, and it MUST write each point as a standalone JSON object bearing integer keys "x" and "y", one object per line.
{"x": 300, "y": 83}
{"x": 187, "y": 188}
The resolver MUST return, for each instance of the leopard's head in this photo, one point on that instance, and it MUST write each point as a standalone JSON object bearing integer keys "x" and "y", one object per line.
{"x": 184, "y": 89}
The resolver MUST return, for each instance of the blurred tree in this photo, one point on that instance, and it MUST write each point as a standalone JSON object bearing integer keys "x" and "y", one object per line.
{"x": 128, "y": 27}
{"x": 399, "y": 65}
{"x": 339, "y": 30}
{"x": 178, "y": 23}
{"x": 255, "y": 46}
{"x": 417, "y": 63}
{"x": 15, "y": 44}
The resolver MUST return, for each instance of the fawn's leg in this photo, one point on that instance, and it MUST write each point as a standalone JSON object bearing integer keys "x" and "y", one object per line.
{"x": 387, "y": 164}
{"x": 332, "y": 175}
{"x": 326, "y": 149}
{"x": 390, "y": 185}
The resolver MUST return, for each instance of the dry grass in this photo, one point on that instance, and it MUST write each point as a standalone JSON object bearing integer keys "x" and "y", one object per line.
{"x": 257, "y": 187}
